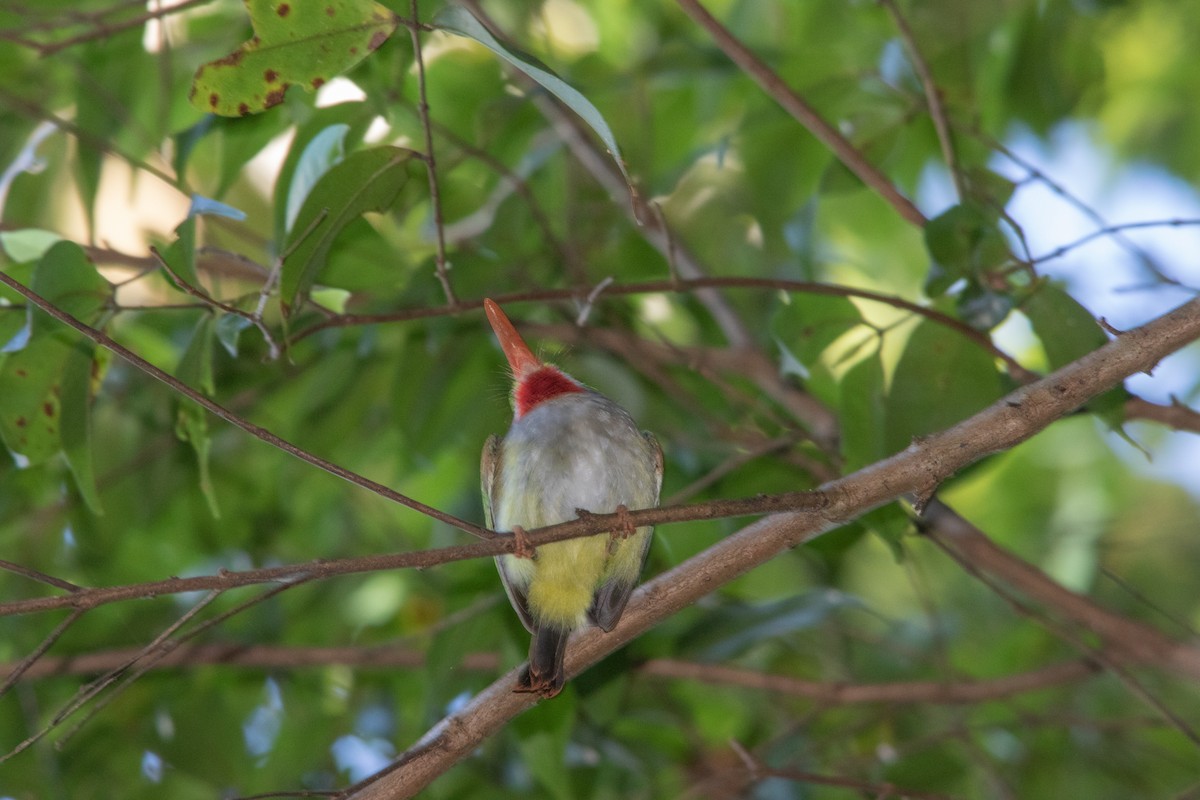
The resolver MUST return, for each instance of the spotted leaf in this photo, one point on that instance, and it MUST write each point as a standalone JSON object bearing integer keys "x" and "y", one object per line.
{"x": 295, "y": 43}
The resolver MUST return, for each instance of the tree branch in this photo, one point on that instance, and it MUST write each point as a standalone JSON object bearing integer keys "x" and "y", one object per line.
{"x": 695, "y": 284}
{"x": 775, "y": 87}
{"x": 399, "y": 656}
{"x": 218, "y": 410}
{"x": 933, "y": 95}
{"x": 1137, "y": 642}
{"x": 435, "y": 194}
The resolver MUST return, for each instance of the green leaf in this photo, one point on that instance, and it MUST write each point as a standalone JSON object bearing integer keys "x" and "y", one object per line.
{"x": 983, "y": 309}
{"x": 326, "y": 149}
{"x": 805, "y": 328}
{"x": 542, "y": 736}
{"x": 302, "y": 42}
{"x": 32, "y": 377}
{"x": 180, "y": 255}
{"x": 890, "y": 523}
{"x": 941, "y": 379}
{"x": 459, "y": 20}
{"x": 963, "y": 241}
{"x": 229, "y": 330}
{"x": 356, "y": 115}
{"x": 29, "y": 406}
{"x": 67, "y": 278}
{"x": 861, "y": 411}
{"x": 77, "y": 421}
{"x": 808, "y": 324}
{"x": 333, "y": 299}
{"x": 191, "y": 421}
{"x": 1066, "y": 329}
{"x": 29, "y": 244}
{"x": 733, "y": 629}
{"x": 369, "y": 180}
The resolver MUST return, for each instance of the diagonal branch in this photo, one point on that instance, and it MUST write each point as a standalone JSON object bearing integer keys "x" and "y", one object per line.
{"x": 218, "y": 410}
{"x": 933, "y": 94}
{"x": 1123, "y": 636}
{"x": 916, "y": 470}
{"x": 806, "y": 115}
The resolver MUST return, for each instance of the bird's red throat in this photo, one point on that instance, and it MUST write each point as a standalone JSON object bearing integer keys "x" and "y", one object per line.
{"x": 540, "y": 386}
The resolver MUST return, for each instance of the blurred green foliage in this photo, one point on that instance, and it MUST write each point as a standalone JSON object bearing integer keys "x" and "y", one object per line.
{"x": 139, "y": 484}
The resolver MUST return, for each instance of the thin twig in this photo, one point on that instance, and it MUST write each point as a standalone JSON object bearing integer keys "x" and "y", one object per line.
{"x": 1110, "y": 230}
{"x": 149, "y": 657}
{"x": 1120, "y": 632}
{"x": 587, "y": 524}
{"x": 435, "y": 196}
{"x": 958, "y": 692}
{"x": 215, "y": 408}
{"x": 86, "y": 138}
{"x": 41, "y": 577}
{"x": 933, "y": 94}
{"x": 103, "y": 29}
{"x": 778, "y": 90}
{"x": 24, "y": 665}
{"x": 90, "y": 690}
{"x": 143, "y": 660}
{"x": 255, "y": 319}
{"x": 757, "y": 771}
{"x": 694, "y": 284}
{"x": 1036, "y": 174}
{"x": 731, "y": 465}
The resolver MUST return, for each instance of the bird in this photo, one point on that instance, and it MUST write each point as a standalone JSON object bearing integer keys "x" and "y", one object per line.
{"x": 570, "y": 451}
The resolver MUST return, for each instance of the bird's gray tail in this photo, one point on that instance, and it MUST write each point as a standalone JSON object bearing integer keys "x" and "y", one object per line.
{"x": 545, "y": 674}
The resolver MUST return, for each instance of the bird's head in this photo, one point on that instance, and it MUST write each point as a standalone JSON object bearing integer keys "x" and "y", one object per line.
{"x": 534, "y": 381}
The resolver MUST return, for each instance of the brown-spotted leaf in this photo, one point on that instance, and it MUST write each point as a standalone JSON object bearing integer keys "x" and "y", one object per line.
{"x": 31, "y": 401}
{"x": 295, "y": 43}
{"x": 30, "y": 412}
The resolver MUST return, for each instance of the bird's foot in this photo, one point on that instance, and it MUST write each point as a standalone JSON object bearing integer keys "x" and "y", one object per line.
{"x": 546, "y": 686}
{"x": 622, "y": 530}
{"x": 521, "y": 546}
{"x": 625, "y": 527}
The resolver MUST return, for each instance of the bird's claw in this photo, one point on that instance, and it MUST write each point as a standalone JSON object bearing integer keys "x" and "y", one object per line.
{"x": 545, "y": 686}
{"x": 624, "y": 527}
{"x": 521, "y": 546}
